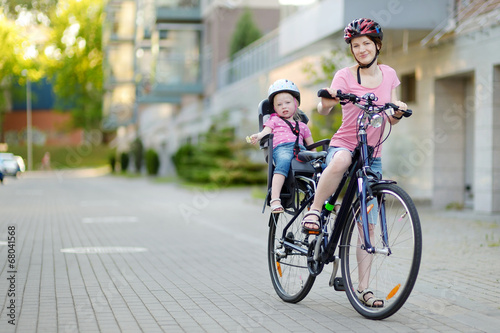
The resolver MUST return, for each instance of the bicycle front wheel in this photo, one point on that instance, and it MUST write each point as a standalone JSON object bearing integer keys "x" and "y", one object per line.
{"x": 390, "y": 273}
{"x": 288, "y": 266}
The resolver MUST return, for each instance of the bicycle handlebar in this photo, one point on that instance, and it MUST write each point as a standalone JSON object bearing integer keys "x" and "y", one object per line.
{"x": 368, "y": 99}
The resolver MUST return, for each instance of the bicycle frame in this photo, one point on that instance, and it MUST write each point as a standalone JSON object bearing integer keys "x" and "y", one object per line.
{"x": 297, "y": 254}
{"x": 359, "y": 185}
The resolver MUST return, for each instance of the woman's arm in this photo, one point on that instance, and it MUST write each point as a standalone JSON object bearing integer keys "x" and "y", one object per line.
{"x": 396, "y": 117}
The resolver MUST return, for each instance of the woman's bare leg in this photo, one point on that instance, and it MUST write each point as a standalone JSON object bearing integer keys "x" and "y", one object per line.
{"x": 365, "y": 263}
{"x": 329, "y": 181}
{"x": 330, "y": 178}
{"x": 364, "y": 259}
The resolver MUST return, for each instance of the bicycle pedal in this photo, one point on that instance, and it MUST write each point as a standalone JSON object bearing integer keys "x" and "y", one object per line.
{"x": 280, "y": 253}
{"x": 338, "y": 284}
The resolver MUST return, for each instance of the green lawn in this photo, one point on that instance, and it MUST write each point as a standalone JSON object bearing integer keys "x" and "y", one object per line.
{"x": 84, "y": 156}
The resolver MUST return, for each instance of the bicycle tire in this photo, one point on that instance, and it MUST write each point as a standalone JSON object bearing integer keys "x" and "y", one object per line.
{"x": 391, "y": 277}
{"x": 290, "y": 275}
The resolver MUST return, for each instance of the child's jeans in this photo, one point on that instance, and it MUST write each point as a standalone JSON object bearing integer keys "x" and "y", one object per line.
{"x": 282, "y": 156}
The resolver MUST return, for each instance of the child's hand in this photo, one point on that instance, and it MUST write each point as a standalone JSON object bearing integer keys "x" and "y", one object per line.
{"x": 253, "y": 138}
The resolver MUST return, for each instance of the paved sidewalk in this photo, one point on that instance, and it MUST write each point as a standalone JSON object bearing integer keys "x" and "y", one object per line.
{"x": 110, "y": 254}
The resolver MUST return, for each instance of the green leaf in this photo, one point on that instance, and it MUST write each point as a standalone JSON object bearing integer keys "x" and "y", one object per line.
{"x": 245, "y": 33}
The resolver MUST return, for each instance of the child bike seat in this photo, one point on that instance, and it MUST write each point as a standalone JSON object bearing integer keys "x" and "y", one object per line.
{"x": 306, "y": 156}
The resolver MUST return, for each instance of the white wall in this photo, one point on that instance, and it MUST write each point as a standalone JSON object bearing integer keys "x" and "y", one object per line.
{"x": 416, "y": 154}
{"x": 474, "y": 55}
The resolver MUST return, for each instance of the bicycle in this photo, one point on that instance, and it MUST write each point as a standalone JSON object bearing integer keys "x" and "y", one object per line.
{"x": 389, "y": 256}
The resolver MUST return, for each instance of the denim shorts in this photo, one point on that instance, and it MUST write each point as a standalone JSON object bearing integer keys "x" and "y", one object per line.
{"x": 376, "y": 167}
{"x": 282, "y": 157}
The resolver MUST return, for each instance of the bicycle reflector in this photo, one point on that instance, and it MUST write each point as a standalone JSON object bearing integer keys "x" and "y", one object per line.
{"x": 393, "y": 292}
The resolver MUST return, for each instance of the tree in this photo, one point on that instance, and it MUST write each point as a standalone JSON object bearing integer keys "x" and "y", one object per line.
{"x": 11, "y": 7}
{"x": 17, "y": 60}
{"x": 152, "y": 162}
{"x": 322, "y": 73}
{"x": 246, "y": 33}
{"x": 219, "y": 158}
{"x": 74, "y": 58}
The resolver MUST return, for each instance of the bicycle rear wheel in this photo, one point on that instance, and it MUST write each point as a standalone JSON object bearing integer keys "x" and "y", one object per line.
{"x": 390, "y": 275}
{"x": 288, "y": 267}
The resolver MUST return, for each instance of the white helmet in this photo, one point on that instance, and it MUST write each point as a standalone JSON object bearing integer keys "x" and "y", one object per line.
{"x": 283, "y": 85}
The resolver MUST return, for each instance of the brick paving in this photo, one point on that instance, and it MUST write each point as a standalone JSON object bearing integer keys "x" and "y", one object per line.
{"x": 154, "y": 257}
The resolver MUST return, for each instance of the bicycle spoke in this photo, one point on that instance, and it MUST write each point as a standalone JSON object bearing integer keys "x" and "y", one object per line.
{"x": 390, "y": 275}
{"x": 288, "y": 267}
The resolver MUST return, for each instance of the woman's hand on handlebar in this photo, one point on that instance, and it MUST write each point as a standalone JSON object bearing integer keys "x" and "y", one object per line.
{"x": 327, "y": 102}
{"x": 401, "y": 106}
{"x": 400, "y": 111}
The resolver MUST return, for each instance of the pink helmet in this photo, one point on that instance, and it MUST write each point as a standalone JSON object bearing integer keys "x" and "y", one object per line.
{"x": 362, "y": 27}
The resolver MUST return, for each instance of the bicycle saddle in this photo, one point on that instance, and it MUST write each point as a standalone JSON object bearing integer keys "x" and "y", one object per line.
{"x": 306, "y": 156}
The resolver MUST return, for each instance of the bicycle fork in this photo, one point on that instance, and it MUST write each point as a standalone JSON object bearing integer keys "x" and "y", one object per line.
{"x": 365, "y": 195}
{"x": 363, "y": 198}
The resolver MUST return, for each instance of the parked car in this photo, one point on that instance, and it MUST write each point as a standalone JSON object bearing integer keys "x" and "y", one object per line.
{"x": 8, "y": 164}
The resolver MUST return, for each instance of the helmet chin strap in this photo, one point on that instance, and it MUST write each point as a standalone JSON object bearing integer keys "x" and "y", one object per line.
{"x": 366, "y": 66}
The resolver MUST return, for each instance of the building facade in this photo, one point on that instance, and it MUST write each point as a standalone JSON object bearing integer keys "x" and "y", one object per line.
{"x": 445, "y": 52}
{"x": 448, "y": 151}
{"x": 173, "y": 55}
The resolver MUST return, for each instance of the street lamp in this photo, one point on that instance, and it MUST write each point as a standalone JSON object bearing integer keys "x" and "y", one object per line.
{"x": 28, "y": 118}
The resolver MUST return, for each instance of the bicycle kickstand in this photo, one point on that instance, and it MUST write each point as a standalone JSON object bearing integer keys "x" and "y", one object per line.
{"x": 336, "y": 281}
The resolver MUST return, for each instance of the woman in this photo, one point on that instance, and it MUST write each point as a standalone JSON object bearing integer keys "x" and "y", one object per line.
{"x": 365, "y": 39}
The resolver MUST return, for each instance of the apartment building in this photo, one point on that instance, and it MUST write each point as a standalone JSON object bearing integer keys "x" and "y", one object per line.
{"x": 455, "y": 143}
{"x": 447, "y": 56}
{"x": 307, "y": 35}
{"x": 119, "y": 38}
{"x": 162, "y": 57}
{"x": 446, "y": 53}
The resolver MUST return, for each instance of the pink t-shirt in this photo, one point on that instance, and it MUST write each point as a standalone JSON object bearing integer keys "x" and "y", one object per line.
{"x": 283, "y": 133}
{"x": 347, "y": 135}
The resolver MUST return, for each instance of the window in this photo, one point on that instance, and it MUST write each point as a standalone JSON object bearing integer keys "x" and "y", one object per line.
{"x": 408, "y": 88}
{"x": 179, "y": 57}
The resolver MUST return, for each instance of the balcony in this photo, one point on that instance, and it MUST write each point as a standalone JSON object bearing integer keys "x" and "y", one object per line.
{"x": 260, "y": 55}
{"x": 331, "y": 16}
{"x": 467, "y": 16}
{"x": 178, "y": 11}
{"x": 176, "y": 74}
{"x": 118, "y": 16}
{"x": 402, "y": 21}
